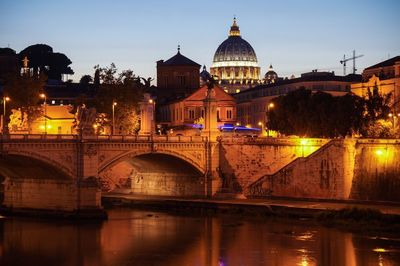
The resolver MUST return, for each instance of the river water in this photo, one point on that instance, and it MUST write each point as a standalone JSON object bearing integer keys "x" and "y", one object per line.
{"x": 137, "y": 237}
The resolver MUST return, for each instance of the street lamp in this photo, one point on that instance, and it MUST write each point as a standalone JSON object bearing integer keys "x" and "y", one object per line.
{"x": 262, "y": 127}
{"x": 5, "y": 99}
{"x": 153, "y": 123}
{"x": 270, "y": 105}
{"x": 113, "y": 117}
{"x": 303, "y": 142}
{"x": 45, "y": 111}
{"x": 393, "y": 116}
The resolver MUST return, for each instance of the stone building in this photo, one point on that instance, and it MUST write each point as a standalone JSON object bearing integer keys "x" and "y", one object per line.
{"x": 235, "y": 64}
{"x": 191, "y": 109}
{"x": 177, "y": 77}
{"x": 385, "y": 76}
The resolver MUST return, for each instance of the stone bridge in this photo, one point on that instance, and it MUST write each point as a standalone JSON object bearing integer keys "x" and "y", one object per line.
{"x": 92, "y": 155}
{"x": 155, "y": 165}
{"x": 43, "y": 170}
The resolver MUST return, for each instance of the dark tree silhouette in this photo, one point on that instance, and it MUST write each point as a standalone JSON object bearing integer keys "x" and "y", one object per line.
{"x": 58, "y": 64}
{"x": 86, "y": 79}
{"x": 7, "y": 51}
{"x": 43, "y": 60}
{"x": 304, "y": 113}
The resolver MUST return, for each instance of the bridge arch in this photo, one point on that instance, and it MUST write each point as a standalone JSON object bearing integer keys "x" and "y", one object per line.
{"x": 47, "y": 160}
{"x": 20, "y": 166}
{"x": 132, "y": 154}
{"x": 153, "y": 173}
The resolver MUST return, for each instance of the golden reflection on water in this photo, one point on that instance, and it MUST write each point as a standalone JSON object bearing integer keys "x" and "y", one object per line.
{"x": 133, "y": 237}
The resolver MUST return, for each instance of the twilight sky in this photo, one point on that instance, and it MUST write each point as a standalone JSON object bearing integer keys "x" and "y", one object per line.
{"x": 294, "y": 36}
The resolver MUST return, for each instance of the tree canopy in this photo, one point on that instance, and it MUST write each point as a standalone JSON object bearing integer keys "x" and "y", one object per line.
{"x": 304, "y": 113}
{"x": 42, "y": 59}
{"x": 24, "y": 91}
{"x": 125, "y": 89}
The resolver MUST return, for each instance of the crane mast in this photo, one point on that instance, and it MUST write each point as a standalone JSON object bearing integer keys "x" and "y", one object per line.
{"x": 354, "y": 57}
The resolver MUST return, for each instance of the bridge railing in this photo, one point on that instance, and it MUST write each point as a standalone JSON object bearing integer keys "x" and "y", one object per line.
{"x": 102, "y": 138}
{"x": 276, "y": 141}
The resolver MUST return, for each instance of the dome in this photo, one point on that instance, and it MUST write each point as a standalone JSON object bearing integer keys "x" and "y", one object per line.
{"x": 235, "y": 64}
{"x": 204, "y": 76}
{"x": 235, "y": 50}
{"x": 271, "y": 76}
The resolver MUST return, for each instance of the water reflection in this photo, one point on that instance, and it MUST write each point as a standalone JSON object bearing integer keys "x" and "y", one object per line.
{"x": 132, "y": 237}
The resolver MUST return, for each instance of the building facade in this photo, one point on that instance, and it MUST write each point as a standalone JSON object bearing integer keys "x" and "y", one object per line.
{"x": 235, "y": 64}
{"x": 177, "y": 77}
{"x": 191, "y": 109}
{"x": 385, "y": 76}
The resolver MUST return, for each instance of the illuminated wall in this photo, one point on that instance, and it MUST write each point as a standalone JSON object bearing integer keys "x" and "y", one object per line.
{"x": 362, "y": 169}
{"x": 57, "y": 120}
{"x": 377, "y": 171}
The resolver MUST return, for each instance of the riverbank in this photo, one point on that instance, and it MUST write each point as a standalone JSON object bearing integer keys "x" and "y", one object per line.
{"x": 352, "y": 215}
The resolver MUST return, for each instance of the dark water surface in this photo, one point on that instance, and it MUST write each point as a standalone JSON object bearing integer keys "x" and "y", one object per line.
{"x": 137, "y": 237}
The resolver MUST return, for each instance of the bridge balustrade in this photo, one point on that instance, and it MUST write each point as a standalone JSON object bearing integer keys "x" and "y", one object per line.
{"x": 111, "y": 138}
{"x": 273, "y": 141}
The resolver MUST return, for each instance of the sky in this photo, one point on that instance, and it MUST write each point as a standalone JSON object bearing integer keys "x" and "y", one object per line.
{"x": 295, "y": 36}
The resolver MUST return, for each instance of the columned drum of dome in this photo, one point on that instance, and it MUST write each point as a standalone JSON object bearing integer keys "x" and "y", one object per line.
{"x": 235, "y": 63}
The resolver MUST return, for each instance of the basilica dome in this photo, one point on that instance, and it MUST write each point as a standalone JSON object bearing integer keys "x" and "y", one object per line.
{"x": 235, "y": 62}
{"x": 235, "y": 49}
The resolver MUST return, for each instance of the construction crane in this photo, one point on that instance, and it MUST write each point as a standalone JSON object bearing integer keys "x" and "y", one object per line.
{"x": 348, "y": 59}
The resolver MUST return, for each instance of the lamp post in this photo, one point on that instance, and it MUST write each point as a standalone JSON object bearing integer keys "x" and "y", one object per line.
{"x": 393, "y": 117}
{"x": 45, "y": 111}
{"x": 153, "y": 123}
{"x": 261, "y": 124}
{"x": 270, "y": 105}
{"x": 113, "y": 117}
{"x": 5, "y": 100}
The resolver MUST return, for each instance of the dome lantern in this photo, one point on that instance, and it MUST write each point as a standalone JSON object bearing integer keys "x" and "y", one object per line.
{"x": 234, "y": 29}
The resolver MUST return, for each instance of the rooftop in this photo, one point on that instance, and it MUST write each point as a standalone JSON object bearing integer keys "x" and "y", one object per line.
{"x": 386, "y": 63}
{"x": 179, "y": 60}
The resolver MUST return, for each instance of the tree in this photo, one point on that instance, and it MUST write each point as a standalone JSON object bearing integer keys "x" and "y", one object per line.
{"x": 377, "y": 110}
{"x": 86, "y": 79}
{"x": 24, "y": 92}
{"x": 304, "y": 113}
{"x": 58, "y": 64}
{"x": 125, "y": 89}
{"x": 42, "y": 60}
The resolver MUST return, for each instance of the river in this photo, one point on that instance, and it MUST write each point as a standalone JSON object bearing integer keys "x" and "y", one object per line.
{"x": 139, "y": 237}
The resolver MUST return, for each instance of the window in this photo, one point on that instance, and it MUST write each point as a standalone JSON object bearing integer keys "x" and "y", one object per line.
{"x": 202, "y": 113}
{"x": 191, "y": 114}
{"x": 182, "y": 80}
{"x": 217, "y": 114}
{"x": 229, "y": 113}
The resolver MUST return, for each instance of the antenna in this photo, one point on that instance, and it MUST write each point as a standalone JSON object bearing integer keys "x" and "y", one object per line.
{"x": 348, "y": 59}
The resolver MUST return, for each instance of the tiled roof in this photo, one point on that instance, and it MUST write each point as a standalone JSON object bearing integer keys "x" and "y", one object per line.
{"x": 180, "y": 60}
{"x": 389, "y": 62}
